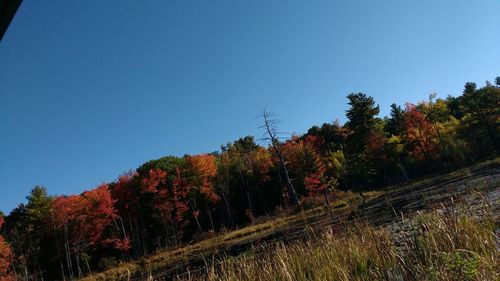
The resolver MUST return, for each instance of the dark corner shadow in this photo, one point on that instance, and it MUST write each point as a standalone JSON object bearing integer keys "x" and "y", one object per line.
{"x": 8, "y": 9}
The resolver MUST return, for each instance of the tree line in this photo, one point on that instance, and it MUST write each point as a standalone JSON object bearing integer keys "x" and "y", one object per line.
{"x": 166, "y": 202}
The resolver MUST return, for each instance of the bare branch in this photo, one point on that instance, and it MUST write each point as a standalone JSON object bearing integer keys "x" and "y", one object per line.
{"x": 270, "y": 128}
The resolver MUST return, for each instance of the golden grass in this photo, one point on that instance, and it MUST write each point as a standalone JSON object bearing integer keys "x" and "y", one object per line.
{"x": 171, "y": 257}
{"x": 440, "y": 246}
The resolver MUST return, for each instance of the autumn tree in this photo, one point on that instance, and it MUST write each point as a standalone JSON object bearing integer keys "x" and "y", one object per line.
{"x": 125, "y": 192}
{"x": 170, "y": 201}
{"x": 395, "y": 149}
{"x": 458, "y": 149}
{"x": 202, "y": 170}
{"x": 420, "y": 134}
{"x": 155, "y": 219}
{"x": 86, "y": 225}
{"x": 304, "y": 160}
{"x": 180, "y": 199}
{"x": 437, "y": 112}
{"x": 316, "y": 181}
{"x": 333, "y": 136}
{"x": 244, "y": 174}
{"x": 5, "y": 257}
{"x": 155, "y": 186}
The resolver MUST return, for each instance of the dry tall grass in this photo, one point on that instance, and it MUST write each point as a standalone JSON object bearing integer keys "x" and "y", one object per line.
{"x": 440, "y": 245}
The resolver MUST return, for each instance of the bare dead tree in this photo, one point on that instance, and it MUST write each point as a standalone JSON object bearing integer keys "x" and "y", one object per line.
{"x": 271, "y": 134}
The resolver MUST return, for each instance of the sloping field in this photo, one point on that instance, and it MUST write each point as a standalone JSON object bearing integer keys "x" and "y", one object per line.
{"x": 472, "y": 187}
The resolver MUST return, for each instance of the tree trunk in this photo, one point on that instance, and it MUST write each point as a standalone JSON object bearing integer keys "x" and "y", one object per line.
{"x": 210, "y": 218}
{"x": 292, "y": 195}
{"x": 245, "y": 190}
{"x": 402, "y": 168}
{"x": 58, "y": 250}
{"x": 228, "y": 210}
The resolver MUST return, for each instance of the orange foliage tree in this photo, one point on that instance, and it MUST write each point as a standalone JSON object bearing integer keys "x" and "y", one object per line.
{"x": 203, "y": 171}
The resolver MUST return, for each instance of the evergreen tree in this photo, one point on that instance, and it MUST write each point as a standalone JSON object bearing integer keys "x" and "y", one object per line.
{"x": 482, "y": 108}
{"x": 36, "y": 223}
{"x": 394, "y": 124}
{"x": 361, "y": 122}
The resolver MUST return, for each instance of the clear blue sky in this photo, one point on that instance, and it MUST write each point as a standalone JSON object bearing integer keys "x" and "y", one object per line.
{"x": 90, "y": 89}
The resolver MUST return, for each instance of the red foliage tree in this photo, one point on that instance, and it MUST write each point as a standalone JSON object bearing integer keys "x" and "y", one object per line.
{"x": 125, "y": 193}
{"x": 376, "y": 143}
{"x": 156, "y": 178}
{"x": 156, "y": 183}
{"x": 170, "y": 198}
{"x": 305, "y": 163}
{"x": 316, "y": 142}
{"x": 87, "y": 221}
{"x": 5, "y": 257}
{"x": 377, "y": 148}
{"x": 180, "y": 193}
{"x": 315, "y": 182}
{"x": 420, "y": 133}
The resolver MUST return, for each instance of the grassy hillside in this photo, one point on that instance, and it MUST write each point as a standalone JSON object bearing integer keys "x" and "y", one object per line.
{"x": 351, "y": 244}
